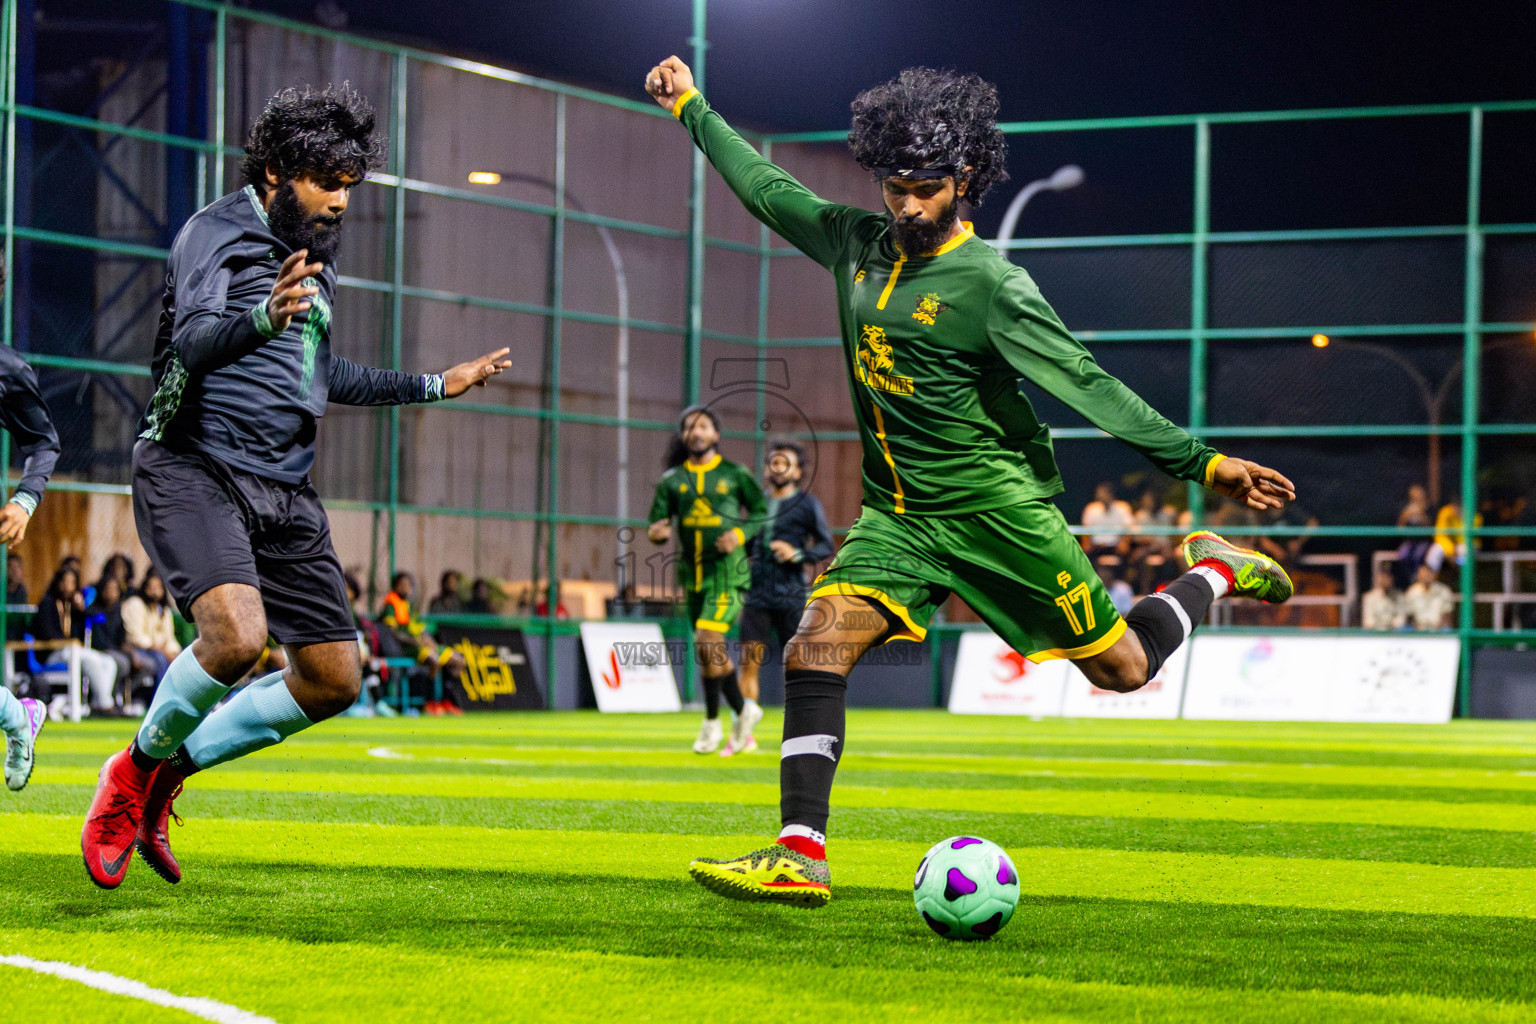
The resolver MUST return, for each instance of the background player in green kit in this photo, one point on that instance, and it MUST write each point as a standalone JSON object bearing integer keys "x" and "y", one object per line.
{"x": 718, "y": 508}
{"x": 938, "y": 330}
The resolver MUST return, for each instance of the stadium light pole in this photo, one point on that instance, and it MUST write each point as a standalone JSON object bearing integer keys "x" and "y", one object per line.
{"x": 621, "y": 385}
{"x": 1064, "y": 177}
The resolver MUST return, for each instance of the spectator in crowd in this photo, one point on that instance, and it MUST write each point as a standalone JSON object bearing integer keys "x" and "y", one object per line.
{"x": 61, "y": 616}
{"x": 1416, "y": 511}
{"x": 15, "y": 586}
{"x": 118, "y": 566}
{"x": 371, "y": 650}
{"x": 151, "y": 630}
{"x": 480, "y": 600}
{"x": 410, "y": 633}
{"x": 104, "y": 619}
{"x": 1120, "y": 593}
{"x": 1287, "y": 550}
{"x": 1382, "y": 607}
{"x": 1413, "y": 551}
{"x": 1448, "y": 541}
{"x": 1152, "y": 554}
{"x": 1112, "y": 516}
{"x": 1429, "y": 603}
{"x": 447, "y": 600}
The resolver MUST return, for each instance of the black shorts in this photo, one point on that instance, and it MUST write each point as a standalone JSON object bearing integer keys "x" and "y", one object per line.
{"x": 761, "y": 625}
{"x": 205, "y": 523}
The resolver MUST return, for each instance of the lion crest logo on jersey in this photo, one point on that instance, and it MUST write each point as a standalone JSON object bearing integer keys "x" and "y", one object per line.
{"x": 877, "y": 363}
{"x": 928, "y": 308}
{"x": 875, "y": 350}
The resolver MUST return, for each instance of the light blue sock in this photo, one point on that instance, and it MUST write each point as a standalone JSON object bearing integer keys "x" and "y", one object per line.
{"x": 183, "y": 697}
{"x": 258, "y": 716}
{"x": 13, "y": 717}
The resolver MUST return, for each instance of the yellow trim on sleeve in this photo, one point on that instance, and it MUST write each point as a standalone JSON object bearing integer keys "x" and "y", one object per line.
{"x": 741, "y": 537}
{"x": 1099, "y": 646}
{"x": 912, "y": 632}
{"x": 681, "y": 102}
{"x": 712, "y": 626}
{"x": 1210, "y": 469}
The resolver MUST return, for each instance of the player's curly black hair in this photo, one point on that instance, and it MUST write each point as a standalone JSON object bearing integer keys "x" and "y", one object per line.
{"x": 928, "y": 118}
{"x": 330, "y": 131}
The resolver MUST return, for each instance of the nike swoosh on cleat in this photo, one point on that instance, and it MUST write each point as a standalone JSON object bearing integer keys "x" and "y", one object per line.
{"x": 112, "y": 867}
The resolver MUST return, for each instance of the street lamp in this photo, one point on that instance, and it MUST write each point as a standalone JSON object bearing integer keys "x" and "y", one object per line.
{"x": 1065, "y": 177}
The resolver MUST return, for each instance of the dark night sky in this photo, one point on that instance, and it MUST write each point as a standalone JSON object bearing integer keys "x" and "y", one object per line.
{"x": 794, "y": 64}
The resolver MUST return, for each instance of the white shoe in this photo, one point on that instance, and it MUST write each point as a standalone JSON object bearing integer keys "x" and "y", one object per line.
{"x": 742, "y": 741}
{"x": 20, "y": 751}
{"x": 710, "y": 735}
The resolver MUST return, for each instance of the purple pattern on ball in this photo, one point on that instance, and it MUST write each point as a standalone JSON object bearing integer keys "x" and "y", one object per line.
{"x": 1005, "y": 873}
{"x": 938, "y": 926}
{"x": 989, "y": 927}
{"x": 960, "y": 844}
{"x": 957, "y": 885}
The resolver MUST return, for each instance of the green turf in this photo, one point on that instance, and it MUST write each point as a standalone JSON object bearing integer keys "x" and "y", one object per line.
{"x": 531, "y": 867}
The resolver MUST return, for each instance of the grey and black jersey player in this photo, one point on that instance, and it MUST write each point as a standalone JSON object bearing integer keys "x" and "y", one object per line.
{"x": 794, "y": 538}
{"x": 243, "y": 371}
{"x": 23, "y": 413}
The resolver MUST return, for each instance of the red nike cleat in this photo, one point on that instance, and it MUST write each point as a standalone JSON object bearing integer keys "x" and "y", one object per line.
{"x": 154, "y": 841}
{"x": 112, "y": 823}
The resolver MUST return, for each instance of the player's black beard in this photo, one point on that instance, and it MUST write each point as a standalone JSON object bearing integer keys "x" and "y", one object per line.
{"x": 917, "y": 236}
{"x": 290, "y": 222}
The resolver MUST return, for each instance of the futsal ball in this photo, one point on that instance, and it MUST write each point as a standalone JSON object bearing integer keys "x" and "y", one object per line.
{"x": 966, "y": 888}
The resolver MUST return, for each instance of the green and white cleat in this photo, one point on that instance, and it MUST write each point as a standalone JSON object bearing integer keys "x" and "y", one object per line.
{"x": 21, "y": 751}
{"x": 775, "y": 874}
{"x": 1253, "y": 575}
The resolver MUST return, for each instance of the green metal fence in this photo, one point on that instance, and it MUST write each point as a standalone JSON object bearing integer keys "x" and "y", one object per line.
{"x": 1200, "y": 242}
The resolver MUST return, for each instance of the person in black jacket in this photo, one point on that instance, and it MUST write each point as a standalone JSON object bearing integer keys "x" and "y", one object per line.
{"x": 795, "y": 537}
{"x": 61, "y": 616}
{"x": 243, "y": 370}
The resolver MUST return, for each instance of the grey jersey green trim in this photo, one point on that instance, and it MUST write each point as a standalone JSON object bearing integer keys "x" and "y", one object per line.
{"x": 167, "y": 399}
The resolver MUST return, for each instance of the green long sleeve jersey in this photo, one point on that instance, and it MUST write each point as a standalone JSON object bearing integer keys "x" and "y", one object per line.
{"x": 935, "y": 347}
{"x": 706, "y": 501}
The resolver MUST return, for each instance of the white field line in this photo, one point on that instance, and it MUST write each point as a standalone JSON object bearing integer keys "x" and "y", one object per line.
{"x": 208, "y": 1009}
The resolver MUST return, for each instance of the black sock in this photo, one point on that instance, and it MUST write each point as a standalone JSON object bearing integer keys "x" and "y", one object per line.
{"x": 711, "y": 697}
{"x": 814, "y": 714}
{"x": 1164, "y": 620}
{"x": 142, "y": 761}
{"x": 732, "y": 691}
{"x": 182, "y": 762}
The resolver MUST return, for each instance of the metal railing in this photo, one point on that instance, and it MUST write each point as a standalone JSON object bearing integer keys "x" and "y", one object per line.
{"x": 1199, "y": 241}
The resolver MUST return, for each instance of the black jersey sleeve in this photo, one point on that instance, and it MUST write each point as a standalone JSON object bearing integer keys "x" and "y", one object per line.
{"x": 353, "y": 384}
{"x": 207, "y": 334}
{"x": 24, "y": 414}
{"x": 818, "y": 545}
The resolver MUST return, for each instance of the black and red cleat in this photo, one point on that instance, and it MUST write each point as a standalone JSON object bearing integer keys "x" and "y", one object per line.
{"x": 154, "y": 841}
{"x": 112, "y": 823}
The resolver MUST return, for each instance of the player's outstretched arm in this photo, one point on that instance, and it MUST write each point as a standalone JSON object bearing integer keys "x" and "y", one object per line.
{"x": 208, "y": 335}
{"x": 475, "y": 373}
{"x": 1256, "y": 486}
{"x": 352, "y": 384}
{"x": 1033, "y": 341}
{"x": 25, "y": 415}
{"x": 811, "y": 224}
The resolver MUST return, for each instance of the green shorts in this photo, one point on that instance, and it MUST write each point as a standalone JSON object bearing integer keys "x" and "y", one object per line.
{"x": 717, "y": 604}
{"x": 1018, "y": 567}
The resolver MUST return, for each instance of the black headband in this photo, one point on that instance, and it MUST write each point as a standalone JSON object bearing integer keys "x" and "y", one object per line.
{"x": 914, "y": 173}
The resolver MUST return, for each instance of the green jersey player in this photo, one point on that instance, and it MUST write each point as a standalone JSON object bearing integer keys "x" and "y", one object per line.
{"x": 938, "y": 330}
{"x": 718, "y": 508}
